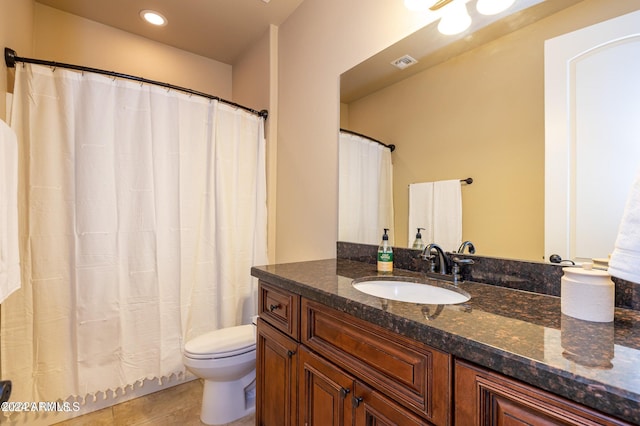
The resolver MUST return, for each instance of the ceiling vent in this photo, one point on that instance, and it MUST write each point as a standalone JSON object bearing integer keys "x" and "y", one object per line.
{"x": 404, "y": 62}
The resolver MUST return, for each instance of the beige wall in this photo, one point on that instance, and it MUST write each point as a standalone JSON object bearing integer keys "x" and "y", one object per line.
{"x": 63, "y": 37}
{"x": 16, "y": 32}
{"x": 251, "y": 75}
{"x": 479, "y": 115}
{"x": 255, "y": 84}
{"x": 322, "y": 39}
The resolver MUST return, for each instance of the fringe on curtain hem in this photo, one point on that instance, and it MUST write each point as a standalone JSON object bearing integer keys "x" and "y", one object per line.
{"x": 42, "y": 409}
{"x": 121, "y": 391}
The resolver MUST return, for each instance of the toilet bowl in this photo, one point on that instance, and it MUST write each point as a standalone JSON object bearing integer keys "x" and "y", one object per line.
{"x": 226, "y": 360}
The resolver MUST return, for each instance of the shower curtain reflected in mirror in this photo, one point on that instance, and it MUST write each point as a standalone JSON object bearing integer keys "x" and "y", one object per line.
{"x": 142, "y": 211}
{"x": 365, "y": 179}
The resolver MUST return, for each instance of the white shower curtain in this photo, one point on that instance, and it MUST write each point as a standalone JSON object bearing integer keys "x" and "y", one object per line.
{"x": 365, "y": 190}
{"x": 142, "y": 211}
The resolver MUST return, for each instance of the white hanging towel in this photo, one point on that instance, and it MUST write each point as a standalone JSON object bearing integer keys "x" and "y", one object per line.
{"x": 447, "y": 214}
{"x": 421, "y": 211}
{"x": 625, "y": 259}
{"x": 436, "y": 207}
{"x": 9, "y": 251}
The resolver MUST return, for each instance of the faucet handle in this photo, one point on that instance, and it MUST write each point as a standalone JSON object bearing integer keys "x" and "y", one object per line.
{"x": 459, "y": 261}
{"x": 431, "y": 258}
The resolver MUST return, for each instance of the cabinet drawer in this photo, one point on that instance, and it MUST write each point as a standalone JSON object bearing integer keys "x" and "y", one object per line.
{"x": 410, "y": 373}
{"x": 483, "y": 397}
{"x": 279, "y": 308}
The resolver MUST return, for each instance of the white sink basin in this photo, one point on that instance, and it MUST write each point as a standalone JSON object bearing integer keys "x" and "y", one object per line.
{"x": 411, "y": 291}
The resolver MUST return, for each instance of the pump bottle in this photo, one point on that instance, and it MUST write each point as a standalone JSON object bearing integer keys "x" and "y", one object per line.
{"x": 418, "y": 244}
{"x": 385, "y": 254}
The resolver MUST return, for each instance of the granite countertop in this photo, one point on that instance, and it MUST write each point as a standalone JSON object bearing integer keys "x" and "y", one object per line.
{"x": 520, "y": 334}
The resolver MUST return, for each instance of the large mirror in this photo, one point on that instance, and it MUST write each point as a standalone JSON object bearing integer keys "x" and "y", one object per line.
{"x": 473, "y": 107}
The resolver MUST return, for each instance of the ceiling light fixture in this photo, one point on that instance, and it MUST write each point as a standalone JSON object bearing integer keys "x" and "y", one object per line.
{"x": 153, "y": 17}
{"x": 455, "y": 18}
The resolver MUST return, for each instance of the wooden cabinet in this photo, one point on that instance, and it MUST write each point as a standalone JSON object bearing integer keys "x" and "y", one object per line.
{"x": 277, "y": 357}
{"x": 485, "y": 398}
{"x": 318, "y": 366}
{"x": 276, "y": 377}
{"x": 409, "y": 373}
{"x": 325, "y": 392}
{"x": 372, "y": 408}
{"x": 280, "y": 308}
{"x": 331, "y": 397}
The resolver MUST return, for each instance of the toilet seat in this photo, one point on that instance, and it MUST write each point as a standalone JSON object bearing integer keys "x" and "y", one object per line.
{"x": 223, "y": 343}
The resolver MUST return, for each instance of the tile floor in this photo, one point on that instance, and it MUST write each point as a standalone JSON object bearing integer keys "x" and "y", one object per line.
{"x": 178, "y": 405}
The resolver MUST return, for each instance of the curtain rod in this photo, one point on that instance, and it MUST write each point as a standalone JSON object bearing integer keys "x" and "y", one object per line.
{"x": 390, "y": 146}
{"x": 10, "y": 58}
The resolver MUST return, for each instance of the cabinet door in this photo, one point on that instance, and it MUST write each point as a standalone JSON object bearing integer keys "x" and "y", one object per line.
{"x": 373, "y": 409}
{"x": 485, "y": 398}
{"x": 408, "y": 372}
{"x": 276, "y": 377}
{"x": 325, "y": 392}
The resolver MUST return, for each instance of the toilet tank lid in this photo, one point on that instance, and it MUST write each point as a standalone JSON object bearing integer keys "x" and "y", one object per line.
{"x": 222, "y": 341}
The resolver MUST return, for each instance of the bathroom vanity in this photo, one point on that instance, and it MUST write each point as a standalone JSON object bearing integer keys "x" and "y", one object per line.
{"x": 329, "y": 354}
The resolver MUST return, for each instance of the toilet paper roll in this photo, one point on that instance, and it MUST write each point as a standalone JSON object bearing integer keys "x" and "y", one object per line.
{"x": 587, "y": 294}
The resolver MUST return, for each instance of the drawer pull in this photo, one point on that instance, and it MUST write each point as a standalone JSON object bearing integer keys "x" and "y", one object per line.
{"x": 344, "y": 392}
{"x": 356, "y": 400}
{"x": 274, "y": 307}
{"x": 290, "y": 353}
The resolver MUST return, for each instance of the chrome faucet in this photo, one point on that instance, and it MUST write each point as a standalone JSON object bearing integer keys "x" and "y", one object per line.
{"x": 472, "y": 248}
{"x": 443, "y": 260}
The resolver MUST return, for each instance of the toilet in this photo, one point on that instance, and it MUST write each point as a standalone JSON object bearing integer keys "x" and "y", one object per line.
{"x": 226, "y": 360}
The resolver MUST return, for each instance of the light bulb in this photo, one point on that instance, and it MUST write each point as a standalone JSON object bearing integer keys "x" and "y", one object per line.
{"x": 417, "y": 5}
{"x": 455, "y": 19}
{"x": 153, "y": 17}
{"x": 492, "y": 7}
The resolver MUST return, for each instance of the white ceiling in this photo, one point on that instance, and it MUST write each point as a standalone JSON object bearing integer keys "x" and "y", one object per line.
{"x": 218, "y": 29}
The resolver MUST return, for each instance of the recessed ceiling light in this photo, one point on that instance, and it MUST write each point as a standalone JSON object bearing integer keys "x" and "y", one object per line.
{"x": 153, "y": 17}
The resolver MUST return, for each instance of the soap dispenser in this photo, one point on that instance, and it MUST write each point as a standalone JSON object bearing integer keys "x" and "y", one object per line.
{"x": 418, "y": 244}
{"x": 385, "y": 254}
